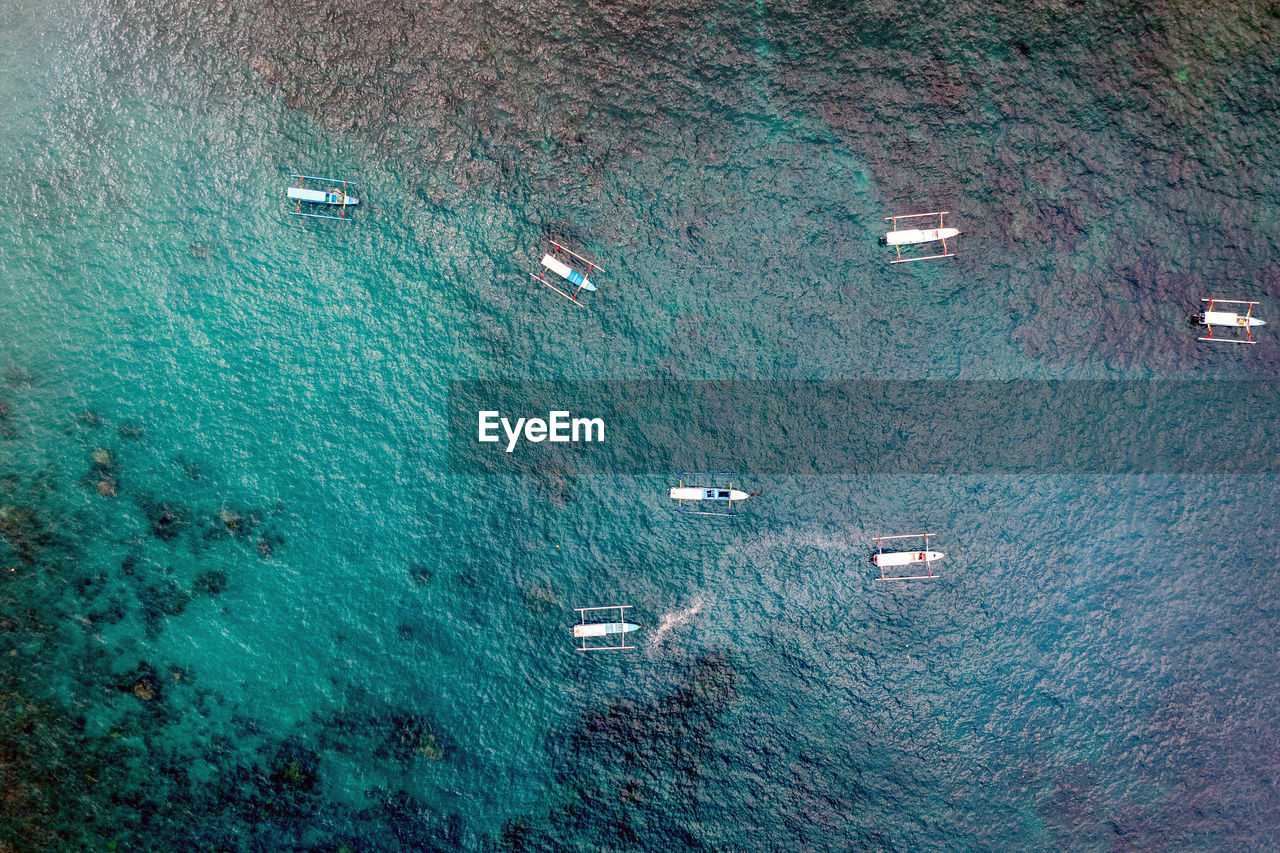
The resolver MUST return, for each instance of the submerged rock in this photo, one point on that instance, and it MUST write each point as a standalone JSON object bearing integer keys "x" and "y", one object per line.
{"x": 429, "y": 749}
{"x": 143, "y": 682}
{"x": 230, "y": 519}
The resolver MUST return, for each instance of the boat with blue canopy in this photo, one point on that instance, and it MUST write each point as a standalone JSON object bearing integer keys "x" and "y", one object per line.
{"x": 552, "y": 262}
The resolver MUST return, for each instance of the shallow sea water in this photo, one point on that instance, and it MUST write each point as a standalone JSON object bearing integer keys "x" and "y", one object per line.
{"x": 247, "y": 607}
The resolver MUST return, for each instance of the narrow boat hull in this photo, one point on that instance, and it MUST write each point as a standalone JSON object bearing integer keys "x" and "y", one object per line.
{"x": 604, "y": 629}
{"x": 910, "y": 236}
{"x": 890, "y": 559}
{"x": 1229, "y": 318}
{"x": 567, "y": 272}
{"x": 322, "y": 197}
{"x": 694, "y": 493}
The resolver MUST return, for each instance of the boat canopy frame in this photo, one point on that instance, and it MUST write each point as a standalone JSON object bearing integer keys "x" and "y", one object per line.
{"x": 622, "y": 636}
{"x": 297, "y": 211}
{"x": 880, "y": 540}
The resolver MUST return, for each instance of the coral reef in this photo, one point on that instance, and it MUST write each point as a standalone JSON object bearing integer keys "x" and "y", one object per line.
{"x": 621, "y": 762}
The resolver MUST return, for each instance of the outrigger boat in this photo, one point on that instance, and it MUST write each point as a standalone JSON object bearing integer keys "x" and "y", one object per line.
{"x": 333, "y": 197}
{"x": 1210, "y": 318}
{"x": 721, "y": 497}
{"x": 616, "y": 630}
{"x": 883, "y": 559}
{"x": 912, "y": 236}
{"x": 551, "y": 261}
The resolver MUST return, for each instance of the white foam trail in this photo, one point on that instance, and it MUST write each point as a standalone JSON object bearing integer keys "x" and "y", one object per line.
{"x": 673, "y": 620}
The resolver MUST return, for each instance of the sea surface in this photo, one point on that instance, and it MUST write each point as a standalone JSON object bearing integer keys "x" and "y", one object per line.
{"x": 246, "y": 604}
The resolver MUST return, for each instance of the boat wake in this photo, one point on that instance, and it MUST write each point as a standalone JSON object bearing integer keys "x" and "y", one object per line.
{"x": 674, "y": 620}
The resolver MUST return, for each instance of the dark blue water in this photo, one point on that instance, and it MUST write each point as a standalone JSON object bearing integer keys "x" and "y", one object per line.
{"x": 244, "y": 605}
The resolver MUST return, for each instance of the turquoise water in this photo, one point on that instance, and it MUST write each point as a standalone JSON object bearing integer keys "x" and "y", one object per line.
{"x": 248, "y": 608}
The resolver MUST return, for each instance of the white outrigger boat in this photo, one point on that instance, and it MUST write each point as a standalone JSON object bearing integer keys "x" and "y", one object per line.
{"x": 334, "y": 197}
{"x": 883, "y": 559}
{"x": 551, "y": 261}
{"x": 585, "y": 630}
{"x": 719, "y": 496}
{"x": 913, "y": 236}
{"x": 1210, "y": 318}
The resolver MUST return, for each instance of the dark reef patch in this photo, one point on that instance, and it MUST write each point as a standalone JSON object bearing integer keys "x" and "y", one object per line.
{"x": 167, "y": 519}
{"x": 540, "y": 597}
{"x": 211, "y": 582}
{"x": 100, "y": 739}
{"x": 8, "y": 429}
{"x": 108, "y": 610}
{"x": 190, "y": 468}
{"x": 159, "y": 599}
{"x": 389, "y": 735}
{"x": 421, "y": 573}
{"x": 130, "y": 430}
{"x": 638, "y": 773}
{"x": 16, "y": 376}
{"x": 25, "y": 532}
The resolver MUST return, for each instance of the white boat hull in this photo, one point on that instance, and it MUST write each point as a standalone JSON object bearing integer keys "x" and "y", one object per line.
{"x": 604, "y": 629}
{"x": 335, "y": 197}
{"x": 890, "y": 559}
{"x": 1229, "y": 318}
{"x": 567, "y": 272}
{"x": 911, "y": 236}
{"x": 694, "y": 493}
